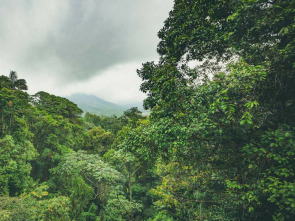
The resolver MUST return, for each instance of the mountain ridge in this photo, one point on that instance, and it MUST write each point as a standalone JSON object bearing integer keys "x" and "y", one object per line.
{"x": 96, "y": 105}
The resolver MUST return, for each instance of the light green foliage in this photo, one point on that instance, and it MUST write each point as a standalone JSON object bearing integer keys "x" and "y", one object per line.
{"x": 14, "y": 165}
{"x": 88, "y": 177}
{"x": 161, "y": 216}
{"x": 18, "y": 209}
{"x": 79, "y": 192}
{"x": 118, "y": 207}
{"x": 128, "y": 165}
{"x": 112, "y": 124}
{"x": 13, "y": 106}
{"x": 91, "y": 167}
{"x": 38, "y": 140}
{"x": 34, "y": 205}
{"x": 98, "y": 140}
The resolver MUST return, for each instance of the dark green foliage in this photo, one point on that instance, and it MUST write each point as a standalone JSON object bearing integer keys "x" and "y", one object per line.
{"x": 222, "y": 136}
{"x": 131, "y": 116}
{"x": 49, "y": 142}
{"x": 5, "y": 82}
{"x": 15, "y": 83}
{"x": 57, "y": 106}
{"x": 258, "y": 30}
{"x": 112, "y": 124}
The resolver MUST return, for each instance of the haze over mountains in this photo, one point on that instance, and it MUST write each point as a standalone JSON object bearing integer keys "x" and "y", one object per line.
{"x": 96, "y": 105}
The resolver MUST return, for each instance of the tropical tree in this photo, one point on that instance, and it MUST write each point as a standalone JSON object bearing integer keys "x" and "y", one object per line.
{"x": 16, "y": 83}
{"x": 223, "y": 134}
{"x": 5, "y": 82}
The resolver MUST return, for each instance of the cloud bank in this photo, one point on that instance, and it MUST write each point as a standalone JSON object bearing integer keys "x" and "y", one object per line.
{"x": 62, "y": 46}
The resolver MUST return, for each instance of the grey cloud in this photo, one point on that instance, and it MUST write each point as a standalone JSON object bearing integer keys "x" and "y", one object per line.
{"x": 79, "y": 39}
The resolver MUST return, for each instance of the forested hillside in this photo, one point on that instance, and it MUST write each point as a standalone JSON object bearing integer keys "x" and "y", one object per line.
{"x": 219, "y": 143}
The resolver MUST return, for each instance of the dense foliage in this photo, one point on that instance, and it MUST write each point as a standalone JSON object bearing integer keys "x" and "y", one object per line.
{"x": 219, "y": 143}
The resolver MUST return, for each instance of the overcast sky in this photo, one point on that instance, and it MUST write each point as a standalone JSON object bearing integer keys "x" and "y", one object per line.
{"x": 85, "y": 46}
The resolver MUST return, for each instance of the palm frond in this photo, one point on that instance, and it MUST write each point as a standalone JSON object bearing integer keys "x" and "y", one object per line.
{"x": 13, "y": 76}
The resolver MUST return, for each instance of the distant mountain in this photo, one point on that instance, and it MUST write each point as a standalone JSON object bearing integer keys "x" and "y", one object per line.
{"x": 96, "y": 105}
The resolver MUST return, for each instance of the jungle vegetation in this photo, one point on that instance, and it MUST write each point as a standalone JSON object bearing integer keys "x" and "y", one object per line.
{"x": 219, "y": 143}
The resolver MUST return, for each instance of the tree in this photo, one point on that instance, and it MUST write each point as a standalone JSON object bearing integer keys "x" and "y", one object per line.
{"x": 259, "y": 31}
{"x": 131, "y": 116}
{"x": 104, "y": 180}
{"x": 129, "y": 166}
{"x": 35, "y": 205}
{"x": 15, "y": 166}
{"x": 56, "y": 105}
{"x": 54, "y": 136}
{"x": 98, "y": 141}
{"x": 5, "y": 82}
{"x": 213, "y": 134}
{"x": 16, "y": 83}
